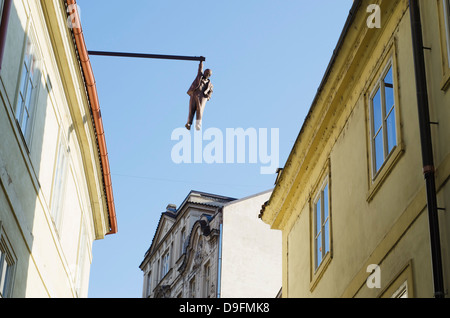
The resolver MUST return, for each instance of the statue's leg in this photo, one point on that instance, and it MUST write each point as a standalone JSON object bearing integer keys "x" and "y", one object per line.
{"x": 200, "y": 109}
{"x": 192, "y": 109}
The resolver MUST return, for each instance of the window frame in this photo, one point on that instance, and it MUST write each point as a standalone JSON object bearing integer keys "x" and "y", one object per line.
{"x": 182, "y": 241}
{"x": 207, "y": 279}
{"x": 2, "y": 4}
{"x": 324, "y": 226}
{"x": 446, "y": 8}
{"x": 59, "y": 182}
{"x": 401, "y": 291}
{"x": 149, "y": 283}
{"x": 380, "y": 87}
{"x": 83, "y": 250}
{"x": 403, "y": 280}
{"x": 165, "y": 263}
{"x": 317, "y": 270}
{"x": 443, "y": 10}
{"x": 8, "y": 257}
{"x": 23, "y": 96}
{"x": 192, "y": 287}
{"x": 376, "y": 179}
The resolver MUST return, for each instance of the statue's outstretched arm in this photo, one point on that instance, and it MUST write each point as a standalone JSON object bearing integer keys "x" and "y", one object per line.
{"x": 200, "y": 68}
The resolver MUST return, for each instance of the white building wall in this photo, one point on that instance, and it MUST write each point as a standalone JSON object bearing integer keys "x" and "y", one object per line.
{"x": 251, "y": 251}
{"x": 49, "y": 260}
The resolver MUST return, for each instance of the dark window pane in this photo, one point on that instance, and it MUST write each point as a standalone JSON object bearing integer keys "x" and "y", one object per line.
{"x": 389, "y": 93}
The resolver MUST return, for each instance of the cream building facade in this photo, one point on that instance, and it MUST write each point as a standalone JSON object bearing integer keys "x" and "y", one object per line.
{"x": 251, "y": 251}
{"x": 351, "y": 200}
{"x": 213, "y": 247}
{"x": 55, "y": 188}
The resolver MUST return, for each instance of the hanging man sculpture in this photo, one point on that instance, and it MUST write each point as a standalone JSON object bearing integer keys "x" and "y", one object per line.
{"x": 200, "y": 92}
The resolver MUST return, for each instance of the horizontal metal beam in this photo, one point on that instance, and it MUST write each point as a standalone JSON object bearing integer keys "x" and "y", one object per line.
{"x": 148, "y": 56}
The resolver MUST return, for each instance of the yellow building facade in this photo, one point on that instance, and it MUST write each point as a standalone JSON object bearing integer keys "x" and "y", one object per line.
{"x": 55, "y": 189}
{"x": 351, "y": 200}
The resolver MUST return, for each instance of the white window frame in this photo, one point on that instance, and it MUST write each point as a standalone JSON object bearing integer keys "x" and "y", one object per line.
{"x": 82, "y": 252}
{"x": 149, "y": 283}
{"x": 207, "y": 279}
{"x": 402, "y": 291}
{"x": 192, "y": 287}
{"x": 165, "y": 264}
{"x": 325, "y": 224}
{"x": 28, "y": 86}
{"x": 7, "y": 266}
{"x": 61, "y": 173}
{"x": 182, "y": 240}
{"x": 380, "y": 87}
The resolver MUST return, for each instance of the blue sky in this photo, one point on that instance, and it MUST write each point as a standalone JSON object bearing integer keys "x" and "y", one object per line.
{"x": 267, "y": 57}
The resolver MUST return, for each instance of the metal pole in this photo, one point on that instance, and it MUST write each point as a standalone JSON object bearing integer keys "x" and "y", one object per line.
{"x": 427, "y": 147}
{"x": 148, "y": 56}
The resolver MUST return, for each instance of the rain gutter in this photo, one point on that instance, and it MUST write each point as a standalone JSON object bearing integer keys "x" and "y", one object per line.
{"x": 96, "y": 113}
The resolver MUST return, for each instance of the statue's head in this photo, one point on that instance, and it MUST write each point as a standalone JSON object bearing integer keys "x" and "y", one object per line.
{"x": 207, "y": 73}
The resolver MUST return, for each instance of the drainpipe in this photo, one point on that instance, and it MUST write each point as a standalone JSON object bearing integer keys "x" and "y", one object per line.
{"x": 4, "y": 28}
{"x": 219, "y": 265}
{"x": 427, "y": 147}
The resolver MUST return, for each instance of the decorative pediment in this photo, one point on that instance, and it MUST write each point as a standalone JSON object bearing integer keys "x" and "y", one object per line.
{"x": 165, "y": 224}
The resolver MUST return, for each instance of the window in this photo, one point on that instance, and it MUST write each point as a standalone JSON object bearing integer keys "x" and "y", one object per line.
{"x": 207, "y": 280}
{"x": 149, "y": 284}
{"x": 6, "y": 268}
{"x": 182, "y": 239}
{"x": 192, "y": 287}
{"x": 321, "y": 225}
{"x": 82, "y": 253}
{"x": 165, "y": 264}
{"x": 383, "y": 120}
{"x": 446, "y": 4}
{"x": 27, "y": 88}
{"x": 402, "y": 291}
{"x": 2, "y": 2}
{"x": 59, "y": 182}
{"x": 402, "y": 285}
{"x": 444, "y": 34}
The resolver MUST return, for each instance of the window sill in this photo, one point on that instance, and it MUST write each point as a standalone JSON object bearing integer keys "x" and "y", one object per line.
{"x": 385, "y": 170}
{"x": 317, "y": 275}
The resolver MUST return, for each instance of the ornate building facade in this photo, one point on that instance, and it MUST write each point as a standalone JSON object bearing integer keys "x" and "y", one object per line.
{"x": 211, "y": 247}
{"x": 183, "y": 259}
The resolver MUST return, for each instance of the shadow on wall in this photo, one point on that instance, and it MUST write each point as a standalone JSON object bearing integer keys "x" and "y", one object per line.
{"x": 26, "y": 157}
